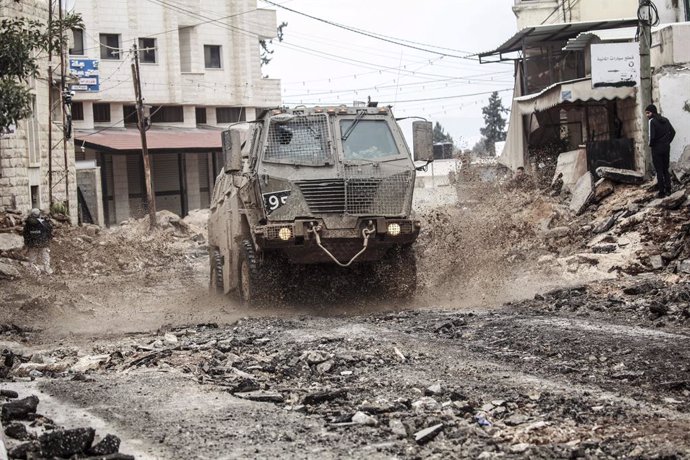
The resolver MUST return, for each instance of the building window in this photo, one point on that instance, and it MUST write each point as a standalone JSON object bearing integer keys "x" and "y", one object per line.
{"x": 230, "y": 114}
{"x": 110, "y": 46}
{"x": 77, "y": 48}
{"x": 77, "y": 111}
{"x": 159, "y": 114}
{"x": 185, "y": 38}
{"x": 147, "y": 50}
{"x": 101, "y": 113}
{"x": 34, "y": 140}
{"x": 200, "y": 115}
{"x": 167, "y": 114}
{"x": 212, "y": 56}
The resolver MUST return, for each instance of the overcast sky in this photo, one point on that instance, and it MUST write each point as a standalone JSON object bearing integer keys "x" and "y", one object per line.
{"x": 320, "y": 63}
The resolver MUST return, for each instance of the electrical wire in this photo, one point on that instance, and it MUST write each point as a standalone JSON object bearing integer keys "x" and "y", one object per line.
{"x": 371, "y": 34}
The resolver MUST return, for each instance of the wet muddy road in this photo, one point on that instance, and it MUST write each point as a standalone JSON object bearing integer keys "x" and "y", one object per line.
{"x": 555, "y": 377}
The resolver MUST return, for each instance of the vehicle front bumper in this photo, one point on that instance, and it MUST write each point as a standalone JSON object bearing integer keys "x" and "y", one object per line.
{"x": 298, "y": 242}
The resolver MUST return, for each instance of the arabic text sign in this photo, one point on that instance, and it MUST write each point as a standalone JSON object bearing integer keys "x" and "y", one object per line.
{"x": 615, "y": 64}
{"x": 86, "y": 71}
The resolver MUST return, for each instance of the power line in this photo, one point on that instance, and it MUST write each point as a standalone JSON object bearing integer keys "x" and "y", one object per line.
{"x": 425, "y": 99}
{"x": 370, "y": 34}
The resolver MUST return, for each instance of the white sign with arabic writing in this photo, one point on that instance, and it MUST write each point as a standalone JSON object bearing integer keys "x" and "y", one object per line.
{"x": 615, "y": 64}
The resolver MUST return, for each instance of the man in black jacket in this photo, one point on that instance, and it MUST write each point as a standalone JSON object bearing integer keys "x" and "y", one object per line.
{"x": 661, "y": 133}
{"x": 38, "y": 231}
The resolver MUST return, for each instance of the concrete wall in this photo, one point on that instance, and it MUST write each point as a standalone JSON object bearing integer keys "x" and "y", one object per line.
{"x": 672, "y": 95}
{"x": 89, "y": 180}
{"x": 535, "y": 12}
{"x": 670, "y": 45}
{"x": 18, "y": 172}
{"x": 671, "y": 82}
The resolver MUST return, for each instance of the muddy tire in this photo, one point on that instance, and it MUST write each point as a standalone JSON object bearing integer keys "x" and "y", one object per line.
{"x": 250, "y": 287}
{"x": 216, "y": 272}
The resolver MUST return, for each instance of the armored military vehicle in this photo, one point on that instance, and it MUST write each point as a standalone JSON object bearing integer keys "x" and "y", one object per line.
{"x": 315, "y": 185}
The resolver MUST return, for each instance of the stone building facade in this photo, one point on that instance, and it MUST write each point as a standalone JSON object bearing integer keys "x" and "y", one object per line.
{"x": 25, "y": 150}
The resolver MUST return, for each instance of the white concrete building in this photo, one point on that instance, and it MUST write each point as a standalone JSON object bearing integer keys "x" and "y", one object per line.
{"x": 200, "y": 71}
{"x": 26, "y": 159}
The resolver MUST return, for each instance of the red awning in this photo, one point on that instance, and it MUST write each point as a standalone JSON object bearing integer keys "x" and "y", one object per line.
{"x": 128, "y": 140}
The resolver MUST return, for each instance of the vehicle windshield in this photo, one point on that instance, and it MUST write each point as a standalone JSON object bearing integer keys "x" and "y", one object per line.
{"x": 368, "y": 140}
{"x": 303, "y": 140}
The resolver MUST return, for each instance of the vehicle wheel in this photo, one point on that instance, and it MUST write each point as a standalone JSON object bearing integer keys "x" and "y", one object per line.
{"x": 216, "y": 265}
{"x": 250, "y": 288}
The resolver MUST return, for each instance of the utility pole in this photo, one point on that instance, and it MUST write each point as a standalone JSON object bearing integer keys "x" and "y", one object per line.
{"x": 50, "y": 106}
{"x": 62, "y": 105}
{"x": 645, "y": 95}
{"x": 142, "y": 125}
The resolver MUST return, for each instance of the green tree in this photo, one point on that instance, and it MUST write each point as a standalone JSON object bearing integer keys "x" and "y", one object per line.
{"x": 266, "y": 51}
{"x": 440, "y": 135}
{"x": 22, "y": 44}
{"x": 494, "y": 123}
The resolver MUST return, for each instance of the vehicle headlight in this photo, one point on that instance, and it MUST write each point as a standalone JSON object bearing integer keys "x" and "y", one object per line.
{"x": 285, "y": 233}
{"x": 394, "y": 229}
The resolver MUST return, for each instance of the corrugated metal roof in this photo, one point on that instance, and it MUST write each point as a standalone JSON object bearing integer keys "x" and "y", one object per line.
{"x": 582, "y": 40}
{"x": 535, "y": 35}
{"x": 128, "y": 140}
{"x": 570, "y": 91}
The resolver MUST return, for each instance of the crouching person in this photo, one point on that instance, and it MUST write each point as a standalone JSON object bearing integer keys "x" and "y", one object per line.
{"x": 38, "y": 231}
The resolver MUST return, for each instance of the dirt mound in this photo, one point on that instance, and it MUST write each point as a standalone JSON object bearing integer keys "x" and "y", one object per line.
{"x": 128, "y": 248}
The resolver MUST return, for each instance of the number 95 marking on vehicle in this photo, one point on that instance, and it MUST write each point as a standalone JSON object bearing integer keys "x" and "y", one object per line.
{"x": 274, "y": 200}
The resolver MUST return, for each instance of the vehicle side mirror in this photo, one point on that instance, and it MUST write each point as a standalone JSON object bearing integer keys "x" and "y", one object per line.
{"x": 234, "y": 139}
{"x": 422, "y": 140}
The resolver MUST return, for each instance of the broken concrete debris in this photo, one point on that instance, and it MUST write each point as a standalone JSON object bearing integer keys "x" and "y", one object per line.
{"x": 623, "y": 176}
{"x": 428, "y": 434}
{"x": 53, "y": 442}
{"x": 582, "y": 193}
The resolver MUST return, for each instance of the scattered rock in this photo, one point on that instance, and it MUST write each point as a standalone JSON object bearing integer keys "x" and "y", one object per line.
{"x": 65, "y": 443}
{"x": 656, "y": 262}
{"x": 397, "y": 428}
{"x": 23, "y": 450}
{"x": 361, "y": 418}
{"x": 20, "y": 408}
{"x": 426, "y": 404}
{"x": 603, "y": 188}
{"x": 11, "y": 242}
{"x": 434, "y": 390}
{"x": 427, "y": 434}
{"x": 106, "y": 446}
{"x": 17, "y": 431}
{"x": 606, "y": 224}
{"x": 323, "y": 396}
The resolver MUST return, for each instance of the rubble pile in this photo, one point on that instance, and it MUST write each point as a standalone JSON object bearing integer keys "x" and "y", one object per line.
{"x": 362, "y": 389}
{"x": 32, "y": 435}
{"x": 93, "y": 251}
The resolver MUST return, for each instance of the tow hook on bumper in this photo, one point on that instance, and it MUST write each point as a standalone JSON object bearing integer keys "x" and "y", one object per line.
{"x": 366, "y": 232}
